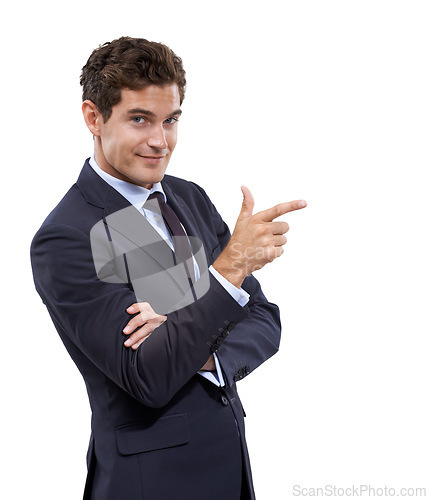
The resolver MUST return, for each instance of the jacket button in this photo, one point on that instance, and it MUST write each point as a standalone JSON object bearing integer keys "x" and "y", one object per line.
{"x": 214, "y": 348}
{"x": 224, "y": 401}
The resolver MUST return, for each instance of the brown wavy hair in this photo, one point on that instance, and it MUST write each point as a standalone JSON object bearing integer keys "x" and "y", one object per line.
{"x": 131, "y": 63}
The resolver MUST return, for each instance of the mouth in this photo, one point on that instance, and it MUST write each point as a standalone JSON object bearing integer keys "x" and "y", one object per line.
{"x": 152, "y": 159}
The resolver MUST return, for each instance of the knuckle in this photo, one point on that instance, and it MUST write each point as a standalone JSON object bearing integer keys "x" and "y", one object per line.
{"x": 254, "y": 219}
{"x": 264, "y": 229}
{"x": 269, "y": 255}
{"x": 130, "y": 327}
{"x": 264, "y": 241}
{"x": 259, "y": 230}
{"x": 281, "y": 228}
{"x": 136, "y": 337}
{"x": 136, "y": 321}
{"x": 137, "y": 334}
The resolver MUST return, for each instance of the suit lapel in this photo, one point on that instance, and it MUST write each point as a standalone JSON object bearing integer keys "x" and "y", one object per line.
{"x": 132, "y": 225}
{"x": 183, "y": 212}
{"x": 187, "y": 219}
{"x": 121, "y": 216}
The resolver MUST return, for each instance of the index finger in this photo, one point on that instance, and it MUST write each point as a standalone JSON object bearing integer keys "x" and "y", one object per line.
{"x": 282, "y": 208}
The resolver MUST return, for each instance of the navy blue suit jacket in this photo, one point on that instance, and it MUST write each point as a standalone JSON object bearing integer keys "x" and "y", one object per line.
{"x": 159, "y": 430}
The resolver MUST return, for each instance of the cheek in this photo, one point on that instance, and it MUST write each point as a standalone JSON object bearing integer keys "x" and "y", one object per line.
{"x": 110, "y": 151}
{"x": 117, "y": 148}
{"x": 172, "y": 138}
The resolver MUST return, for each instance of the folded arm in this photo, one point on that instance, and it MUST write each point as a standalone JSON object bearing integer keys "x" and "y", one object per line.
{"x": 92, "y": 313}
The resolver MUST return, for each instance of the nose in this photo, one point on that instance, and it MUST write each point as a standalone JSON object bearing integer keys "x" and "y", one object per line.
{"x": 157, "y": 138}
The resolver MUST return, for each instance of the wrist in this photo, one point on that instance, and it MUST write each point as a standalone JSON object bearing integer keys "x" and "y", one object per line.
{"x": 230, "y": 270}
{"x": 209, "y": 366}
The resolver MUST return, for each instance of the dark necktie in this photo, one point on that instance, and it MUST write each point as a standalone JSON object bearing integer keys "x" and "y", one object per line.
{"x": 179, "y": 238}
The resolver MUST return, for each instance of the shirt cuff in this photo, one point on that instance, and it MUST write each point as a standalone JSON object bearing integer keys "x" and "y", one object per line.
{"x": 238, "y": 294}
{"x": 215, "y": 377}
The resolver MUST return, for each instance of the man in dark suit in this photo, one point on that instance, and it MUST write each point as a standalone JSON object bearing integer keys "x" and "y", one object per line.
{"x": 153, "y": 299}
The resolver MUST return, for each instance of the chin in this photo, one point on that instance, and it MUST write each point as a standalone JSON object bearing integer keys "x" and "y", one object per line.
{"x": 148, "y": 180}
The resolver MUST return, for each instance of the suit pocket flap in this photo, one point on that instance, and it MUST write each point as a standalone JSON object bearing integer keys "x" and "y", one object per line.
{"x": 139, "y": 437}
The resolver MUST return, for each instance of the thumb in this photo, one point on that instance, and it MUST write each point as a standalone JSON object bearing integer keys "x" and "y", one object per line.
{"x": 247, "y": 204}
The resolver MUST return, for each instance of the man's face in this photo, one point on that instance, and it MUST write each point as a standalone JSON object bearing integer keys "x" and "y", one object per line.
{"x": 137, "y": 141}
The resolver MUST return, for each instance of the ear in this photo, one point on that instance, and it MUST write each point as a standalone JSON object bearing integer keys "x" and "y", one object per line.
{"x": 92, "y": 117}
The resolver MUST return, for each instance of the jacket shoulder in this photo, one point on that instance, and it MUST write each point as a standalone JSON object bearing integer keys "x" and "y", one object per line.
{"x": 74, "y": 211}
{"x": 178, "y": 183}
{"x": 188, "y": 190}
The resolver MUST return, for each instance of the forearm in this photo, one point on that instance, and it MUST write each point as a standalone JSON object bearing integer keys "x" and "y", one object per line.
{"x": 93, "y": 315}
{"x": 254, "y": 339}
{"x": 183, "y": 344}
{"x": 257, "y": 337}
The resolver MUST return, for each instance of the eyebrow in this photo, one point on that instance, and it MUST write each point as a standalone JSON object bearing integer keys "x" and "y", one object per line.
{"x": 146, "y": 112}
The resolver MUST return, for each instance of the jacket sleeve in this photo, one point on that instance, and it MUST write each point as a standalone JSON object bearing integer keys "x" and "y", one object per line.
{"x": 257, "y": 337}
{"x": 92, "y": 314}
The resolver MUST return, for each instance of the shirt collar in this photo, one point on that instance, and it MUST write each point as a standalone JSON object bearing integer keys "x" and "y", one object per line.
{"x": 136, "y": 195}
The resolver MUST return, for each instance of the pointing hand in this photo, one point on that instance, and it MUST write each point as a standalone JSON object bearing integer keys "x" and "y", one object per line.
{"x": 256, "y": 240}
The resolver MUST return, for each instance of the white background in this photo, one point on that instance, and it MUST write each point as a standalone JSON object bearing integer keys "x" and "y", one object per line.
{"x": 322, "y": 100}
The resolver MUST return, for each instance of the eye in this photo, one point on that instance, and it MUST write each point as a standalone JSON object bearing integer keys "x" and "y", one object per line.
{"x": 138, "y": 119}
{"x": 171, "y": 120}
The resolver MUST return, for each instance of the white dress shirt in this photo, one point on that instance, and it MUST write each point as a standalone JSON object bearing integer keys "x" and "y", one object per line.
{"x": 137, "y": 196}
